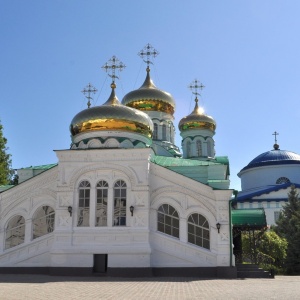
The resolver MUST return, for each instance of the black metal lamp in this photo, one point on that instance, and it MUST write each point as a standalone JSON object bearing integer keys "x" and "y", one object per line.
{"x": 131, "y": 208}
{"x": 218, "y": 227}
{"x": 70, "y": 210}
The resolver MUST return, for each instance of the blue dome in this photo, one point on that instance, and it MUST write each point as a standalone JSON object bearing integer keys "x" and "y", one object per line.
{"x": 274, "y": 157}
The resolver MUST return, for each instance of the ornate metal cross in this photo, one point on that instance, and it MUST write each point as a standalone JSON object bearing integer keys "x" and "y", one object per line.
{"x": 148, "y": 51}
{"x": 88, "y": 90}
{"x": 195, "y": 85}
{"x": 112, "y": 65}
{"x": 275, "y": 133}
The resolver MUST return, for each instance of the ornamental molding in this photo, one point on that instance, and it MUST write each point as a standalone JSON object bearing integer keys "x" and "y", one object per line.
{"x": 197, "y": 188}
{"x": 105, "y": 167}
{"x": 64, "y": 221}
{"x": 101, "y": 155}
{"x": 34, "y": 187}
{"x": 224, "y": 236}
{"x": 174, "y": 193}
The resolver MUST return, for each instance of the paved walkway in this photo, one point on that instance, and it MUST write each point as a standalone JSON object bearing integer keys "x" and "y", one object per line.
{"x": 54, "y": 287}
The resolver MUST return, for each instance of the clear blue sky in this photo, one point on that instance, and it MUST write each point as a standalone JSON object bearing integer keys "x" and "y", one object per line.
{"x": 246, "y": 53}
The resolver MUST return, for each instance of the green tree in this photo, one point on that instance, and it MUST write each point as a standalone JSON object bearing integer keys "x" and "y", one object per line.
{"x": 5, "y": 160}
{"x": 269, "y": 249}
{"x": 288, "y": 226}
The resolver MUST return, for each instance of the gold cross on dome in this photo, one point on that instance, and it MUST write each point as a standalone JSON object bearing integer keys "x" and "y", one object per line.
{"x": 87, "y": 91}
{"x": 148, "y": 51}
{"x": 195, "y": 85}
{"x": 112, "y": 65}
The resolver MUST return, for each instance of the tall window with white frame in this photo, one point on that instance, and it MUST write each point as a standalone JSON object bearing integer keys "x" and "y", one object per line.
{"x": 198, "y": 231}
{"x": 199, "y": 148}
{"x": 120, "y": 191}
{"x": 15, "y": 232}
{"x": 43, "y": 221}
{"x": 101, "y": 205}
{"x": 168, "y": 220}
{"x": 83, "y": 216}
{"x": 155, "y": 131}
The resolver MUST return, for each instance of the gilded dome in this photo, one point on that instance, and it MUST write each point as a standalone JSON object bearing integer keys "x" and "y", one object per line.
{"x": 112, "y": 116}
{"x": 149, "y": 98}
{"x": 197, "y": 120}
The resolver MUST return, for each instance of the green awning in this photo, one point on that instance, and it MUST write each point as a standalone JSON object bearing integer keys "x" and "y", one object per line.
{"x": 250, "y": 218}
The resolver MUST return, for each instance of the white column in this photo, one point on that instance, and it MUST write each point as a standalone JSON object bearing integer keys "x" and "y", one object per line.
{"x": 110, "y": 206}
{"x": 28, "y": 231}
{"x": 92, "y": 206}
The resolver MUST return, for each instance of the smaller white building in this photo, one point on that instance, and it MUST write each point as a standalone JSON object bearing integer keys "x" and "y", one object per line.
{"x": 266, "y": 181}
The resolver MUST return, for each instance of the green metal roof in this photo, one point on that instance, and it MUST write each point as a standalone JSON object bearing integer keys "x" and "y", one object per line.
{"x": 42, "y": 167}
{"x": 165, "y": 161}
{"x": 254, "y": 218}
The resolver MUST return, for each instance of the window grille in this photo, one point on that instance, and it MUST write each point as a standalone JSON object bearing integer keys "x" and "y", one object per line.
{"x": 120, "y": 190}
{"x": 83, "y": 217}
{"x": 198, "y": 231}
{"x": 168, "y": 220}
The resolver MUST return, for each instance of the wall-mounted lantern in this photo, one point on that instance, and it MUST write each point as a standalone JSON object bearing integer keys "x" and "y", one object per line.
{"x": 131, "y": 208}
{"x": 218, "y": 227}
{"x": 70, "y": 210}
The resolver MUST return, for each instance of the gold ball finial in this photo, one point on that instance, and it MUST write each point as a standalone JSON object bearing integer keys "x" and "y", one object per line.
{"x": 276, "y": 146}
{"x": 113, "y": 85}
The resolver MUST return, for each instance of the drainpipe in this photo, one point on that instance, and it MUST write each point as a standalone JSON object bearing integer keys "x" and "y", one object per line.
{"x": 230, "y": 232}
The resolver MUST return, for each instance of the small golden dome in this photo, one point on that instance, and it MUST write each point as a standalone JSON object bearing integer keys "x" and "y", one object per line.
{"x": 112, "y": 116}
{"x": 149, "y": 98}
{"x": 197, "y": 120}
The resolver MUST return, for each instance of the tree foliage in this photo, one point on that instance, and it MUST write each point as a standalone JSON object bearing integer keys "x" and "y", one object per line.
{"x": 288, "y": 226}
{"x": 268, "y": 248}
{"x": 5, "y": 160}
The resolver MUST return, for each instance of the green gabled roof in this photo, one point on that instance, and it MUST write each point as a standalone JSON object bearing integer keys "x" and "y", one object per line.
{"x": 249, "y": 218}
{"x": 223, "y": 160}
{"x": 165, "y": 161}
{"x": 42, "y": 167}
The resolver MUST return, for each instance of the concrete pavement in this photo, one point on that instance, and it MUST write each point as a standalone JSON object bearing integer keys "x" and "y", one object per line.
{"x": 55, "y": 287}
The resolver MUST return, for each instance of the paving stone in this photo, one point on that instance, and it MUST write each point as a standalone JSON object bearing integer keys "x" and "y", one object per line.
{"x": 44, "y": 287}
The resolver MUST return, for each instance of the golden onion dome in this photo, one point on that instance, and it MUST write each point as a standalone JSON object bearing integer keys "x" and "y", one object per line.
{"x": 149, "y": 98}
{"x": 197, "y": 120}
{"x": 112, "y": 116}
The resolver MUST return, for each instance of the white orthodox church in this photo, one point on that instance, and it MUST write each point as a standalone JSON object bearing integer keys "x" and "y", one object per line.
{"x": 123, "y": 200}
{"x": 266, "y": 181}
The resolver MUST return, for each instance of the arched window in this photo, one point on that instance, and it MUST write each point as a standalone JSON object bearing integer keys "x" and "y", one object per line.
{"x": 83, "y": 216}
{"x": 168, "y": 220}
{"x": 198, "y": 231}
{"x": 120, "y": 203}
{"x": 101, "y": 205}
{"x": 155, "y": 130}
{"x": 282, "y": 180}
{"x": 43, "y": 221}
{"x": 199, "y": 148}
{"x": 188, "y": 149}
{"x": 164, "y": 132}
{"x": 15, "y": 232}
{"x": 209, "y": 149}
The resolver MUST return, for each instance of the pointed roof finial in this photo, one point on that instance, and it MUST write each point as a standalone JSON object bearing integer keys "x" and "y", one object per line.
{"x": 148, "y": 51}
{"x": 111, "y": 66}
{"x": 88, "y": 90}
{"x": 276, "y": 146}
